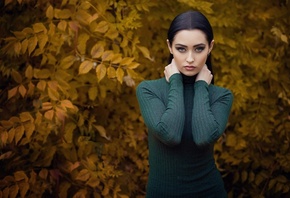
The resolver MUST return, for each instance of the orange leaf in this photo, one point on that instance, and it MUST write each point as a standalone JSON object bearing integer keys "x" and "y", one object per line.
{"x": 49, "y": 114}
{"x": 29, "y": 72}
{"x": 12, "y": 92}
{"x": 53, "y": 94}
{"x": 67, "y": 104}
{"x": 3, "y": 138}
{"x": 24, "y": 187}
{"x": 11, "y": 135}
{"x": 49, "y": 12}
{"x": 83, "y": 175}
{"x": 41, "y": 85}
{"x": 19, "y": 132}
{"x": 22, "y": 90}
{"x": 20, "y": 175}
{"x": 16, "y": 76}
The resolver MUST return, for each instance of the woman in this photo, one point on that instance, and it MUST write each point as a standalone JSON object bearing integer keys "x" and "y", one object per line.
{"x": 185, "y": 115}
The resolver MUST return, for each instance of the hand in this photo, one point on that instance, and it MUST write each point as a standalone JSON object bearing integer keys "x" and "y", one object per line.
{"x": 205, "y": 75}
{"x": 170, "y": 70}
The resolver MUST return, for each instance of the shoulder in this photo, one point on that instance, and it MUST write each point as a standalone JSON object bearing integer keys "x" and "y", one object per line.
{"x": 152, "y": 84}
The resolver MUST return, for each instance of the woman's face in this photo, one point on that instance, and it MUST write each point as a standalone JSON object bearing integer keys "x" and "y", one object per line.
{"x": 190, "y": 49}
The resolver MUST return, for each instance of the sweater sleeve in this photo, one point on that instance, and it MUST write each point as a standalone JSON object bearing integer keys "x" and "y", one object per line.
{"x": 165, "y": 121}
{"x": 209, "y": 120}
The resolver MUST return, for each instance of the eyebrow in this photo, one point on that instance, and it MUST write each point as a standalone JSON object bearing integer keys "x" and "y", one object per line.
{"x": 197, "y": 45}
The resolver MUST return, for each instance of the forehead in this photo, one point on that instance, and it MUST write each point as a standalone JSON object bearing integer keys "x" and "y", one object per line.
{"x": 190, "y": 37}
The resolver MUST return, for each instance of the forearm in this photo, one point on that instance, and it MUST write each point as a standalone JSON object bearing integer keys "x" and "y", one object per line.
{"x": 165, "y": 120}
{"x": 208, "y": 121}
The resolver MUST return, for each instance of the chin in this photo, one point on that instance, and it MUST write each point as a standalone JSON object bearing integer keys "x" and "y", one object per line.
{"x": 186, "y": 73}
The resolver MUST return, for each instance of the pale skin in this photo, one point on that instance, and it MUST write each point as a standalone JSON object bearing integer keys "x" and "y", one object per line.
{"x": 190, "y": 49}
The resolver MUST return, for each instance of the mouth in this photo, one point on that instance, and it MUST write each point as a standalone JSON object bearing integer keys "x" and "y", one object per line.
{"x": 189, "y": 68}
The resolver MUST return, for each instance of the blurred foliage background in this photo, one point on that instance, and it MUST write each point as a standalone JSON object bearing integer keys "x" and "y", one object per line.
{"x": 70, "y": 124}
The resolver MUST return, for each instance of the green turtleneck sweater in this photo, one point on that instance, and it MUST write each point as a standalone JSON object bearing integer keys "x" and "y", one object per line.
{"x": 184, "y": 119}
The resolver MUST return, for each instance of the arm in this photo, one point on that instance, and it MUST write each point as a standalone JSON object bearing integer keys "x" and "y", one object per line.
{"x": 209, "y": 121}
{"x": 165, "y": 122}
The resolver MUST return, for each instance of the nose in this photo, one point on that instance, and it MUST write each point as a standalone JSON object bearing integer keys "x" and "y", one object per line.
{"x": 190, "y": 58}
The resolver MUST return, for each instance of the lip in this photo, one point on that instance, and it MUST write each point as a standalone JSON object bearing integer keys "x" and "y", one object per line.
{"x": 189, "y": 67}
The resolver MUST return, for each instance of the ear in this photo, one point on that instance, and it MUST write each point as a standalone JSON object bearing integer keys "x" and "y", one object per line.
{"x": 169, "y": 46}
{"x": 211, "y": 46}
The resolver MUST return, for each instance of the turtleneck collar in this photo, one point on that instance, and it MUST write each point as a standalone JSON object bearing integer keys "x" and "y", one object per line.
{"x": 188, "y": 79}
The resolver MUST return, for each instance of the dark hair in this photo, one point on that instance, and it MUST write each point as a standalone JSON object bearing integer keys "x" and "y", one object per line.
{"x": 188, "y": 21}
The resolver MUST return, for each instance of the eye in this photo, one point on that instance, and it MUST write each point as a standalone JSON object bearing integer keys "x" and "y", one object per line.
{"x": 180, "y": 49}
{"x": 199, "y": 49}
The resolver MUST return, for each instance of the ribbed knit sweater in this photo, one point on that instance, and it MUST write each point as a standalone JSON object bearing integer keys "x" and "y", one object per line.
{"x": 184, "y": 119}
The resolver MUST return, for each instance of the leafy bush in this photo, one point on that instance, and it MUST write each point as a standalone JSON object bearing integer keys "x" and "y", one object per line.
{"x": 70, "y": 124}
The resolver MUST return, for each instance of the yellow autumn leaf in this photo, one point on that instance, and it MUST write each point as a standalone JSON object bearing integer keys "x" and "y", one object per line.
{"x": 25, "y": 116}
{"x": 24, "y": 46}
{"x": 93, "y": 182}
{"x": 12, "y": 92}
{"x": 133, "y": 65}
{"x": 83, "y": 175}
{"x": 68, "y": 131}
{"x": 60, "y": 114}
{"x": 107, "y": 55}
{"x": 117, "y": 58}
{"x": 102, "y": 131}
{"x": 111, "y": 72}
{"x": 93, "y": 92}
{"x": 83, "y": 16}
{"x": 13, "y": 191}
{"x": 52, "y": 93}
{"x": 17, "y": 48}
{"x": 32, "y": 42}
{"x": 42, "y": 40}
{"x": 39, "y": 27}
{"x": 22, "y": 90}
{"x": 24, "y": 187}
{"x": 29, "y": 129}
{"x": 43, "y": 173}
{"x": 67, "y": 104}
{"x": 49, "y": 12}
{"x": 101, "y": 71}
{"x": 101, "y": 27}
{"x": 82, "y": 43}
{"x": 97, "y": 50}
{"x": 62, "y": 25}
{"x": 16, "y": 76}
{"x": 19, "y": 34}
{"x": 112, "y": 33}
{"x": 85, "y": 67}
{"x": 67, "y": 62}
{"x": 20, "y": 175}
{"x": 11, "y": 135}
{"x": 62, "y": 13}
{"x": 41, "y": 73}
{"x": 132, "y": 73}
{"x": 126, "y": 61}
{"x": 120, "y": 74}
{"x": 49, "y": 114}
{"x": 231, "y": 140}
{"x": 41, "y": 85}
{"x": 29, "y": 72}
{"x": 3, "y": 139}
{"x": 145, "y": 52}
